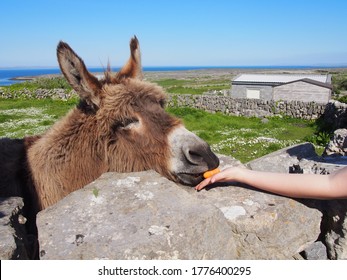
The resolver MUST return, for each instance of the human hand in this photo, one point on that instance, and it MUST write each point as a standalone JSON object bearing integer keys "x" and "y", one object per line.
{"x": 226, "y": 175}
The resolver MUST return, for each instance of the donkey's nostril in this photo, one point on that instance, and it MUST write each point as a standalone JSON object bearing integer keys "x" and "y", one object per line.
{"x": 200, "y": 155}
{"x": 194, "y": 157}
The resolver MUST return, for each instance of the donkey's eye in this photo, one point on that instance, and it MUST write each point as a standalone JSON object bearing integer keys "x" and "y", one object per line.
{"x": 128, "y": 123}
{"x": 124, "y": 124}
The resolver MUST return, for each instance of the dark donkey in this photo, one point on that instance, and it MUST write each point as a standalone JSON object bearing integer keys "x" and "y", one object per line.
{"x": 119, "y": 125}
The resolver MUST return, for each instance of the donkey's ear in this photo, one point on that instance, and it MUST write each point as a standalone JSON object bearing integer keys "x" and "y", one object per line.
{"x": 84, "y": 83}
{"x": 132, "y": 69}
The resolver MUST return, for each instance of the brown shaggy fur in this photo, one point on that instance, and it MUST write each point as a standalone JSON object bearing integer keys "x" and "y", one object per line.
{"x": 119, "y": 125}
{"x": 79, "y": 148}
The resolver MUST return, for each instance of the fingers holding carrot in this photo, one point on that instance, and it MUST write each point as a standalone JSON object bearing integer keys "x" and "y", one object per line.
{"x": 208, "y": 175}
{"x": 213, "y": 176}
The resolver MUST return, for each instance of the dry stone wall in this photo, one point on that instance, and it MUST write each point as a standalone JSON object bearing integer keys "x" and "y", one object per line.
{"x": 56, "y": 93}
{"x": 334, "y": 112}
{"x": 249, "y": 107}
{"x": 145, "y": 216}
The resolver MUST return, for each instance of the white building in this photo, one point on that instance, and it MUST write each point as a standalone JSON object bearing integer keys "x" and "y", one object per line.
{"x": 286, "y": 87}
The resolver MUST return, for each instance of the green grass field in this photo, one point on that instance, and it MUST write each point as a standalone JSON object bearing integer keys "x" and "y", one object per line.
{"x": 20, "y": 117}
{"x": 240, "y": 137}
{"x": 243, "y": 138}
{"x": 246, "y": 138}
{"x": 193, "y": 86}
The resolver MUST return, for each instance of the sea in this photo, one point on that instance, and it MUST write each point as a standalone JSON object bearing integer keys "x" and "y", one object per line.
{"x": 8, "y": 74}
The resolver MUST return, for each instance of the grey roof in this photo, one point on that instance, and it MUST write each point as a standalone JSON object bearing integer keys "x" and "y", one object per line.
{"x": 310, "y": 81}
{"x": 278, "y": 79}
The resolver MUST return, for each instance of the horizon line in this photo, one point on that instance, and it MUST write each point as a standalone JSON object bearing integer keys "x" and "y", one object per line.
{"x": 327, "y": 65}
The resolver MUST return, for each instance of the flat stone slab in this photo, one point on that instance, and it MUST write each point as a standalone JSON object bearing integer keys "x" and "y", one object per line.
{"x": 145, "y": 216}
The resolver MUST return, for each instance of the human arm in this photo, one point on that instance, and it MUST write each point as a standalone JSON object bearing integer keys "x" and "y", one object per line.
{"x": 291, "y": 185}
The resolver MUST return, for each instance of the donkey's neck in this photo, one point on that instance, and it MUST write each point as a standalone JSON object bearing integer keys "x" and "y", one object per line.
{"x": 72, "y": 152}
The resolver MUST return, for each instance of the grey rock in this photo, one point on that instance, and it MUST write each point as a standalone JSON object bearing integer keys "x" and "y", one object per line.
{"x": 317, "y": 251}
{"x": 335, "y": 227}
{"x": 266, "y": 226}
{"x": 322, "y": 165}
{"x": 12, "y": 230}
{"x": 264, "y": 120}
{"x": 335, "y": 115}
{"x": 144, "y": 216}
{"x": 338, "y": 143}
{"x": 282, "y": 160}
{"x": 133, "y": 216}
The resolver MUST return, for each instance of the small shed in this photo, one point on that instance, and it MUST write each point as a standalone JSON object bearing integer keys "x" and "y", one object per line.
{"x": 286, "y": 87}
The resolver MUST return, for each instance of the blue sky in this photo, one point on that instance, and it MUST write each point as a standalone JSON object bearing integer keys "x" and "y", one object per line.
{"x": 175, "y": 32}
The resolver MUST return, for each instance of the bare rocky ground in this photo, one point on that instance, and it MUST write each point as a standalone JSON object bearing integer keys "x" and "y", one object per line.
{"x": 222, "y": 73}
{"x": 215, "y": 73}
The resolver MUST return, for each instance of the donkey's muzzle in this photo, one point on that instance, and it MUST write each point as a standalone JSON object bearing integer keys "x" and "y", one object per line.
{"x": 191, "y": 156}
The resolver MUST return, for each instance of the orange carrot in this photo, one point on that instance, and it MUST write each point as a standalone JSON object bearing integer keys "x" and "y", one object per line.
{"x": 210, "y": 173}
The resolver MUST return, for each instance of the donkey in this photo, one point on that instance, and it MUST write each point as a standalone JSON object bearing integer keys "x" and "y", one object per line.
{"x": 119, "y": 125}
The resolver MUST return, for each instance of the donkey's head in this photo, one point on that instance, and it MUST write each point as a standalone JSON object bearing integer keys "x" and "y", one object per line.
{"x": 132, "y": 127}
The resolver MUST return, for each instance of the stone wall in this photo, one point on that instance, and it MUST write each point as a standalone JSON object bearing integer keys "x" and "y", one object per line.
{"x": 249, "y": 107}
{"x": 56, "y": 93}
{"x": 334, "y": 113}
{"x": 143, "y": 215}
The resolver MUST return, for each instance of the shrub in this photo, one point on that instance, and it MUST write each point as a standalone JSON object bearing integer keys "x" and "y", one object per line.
{"x": 343, "y": 99}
